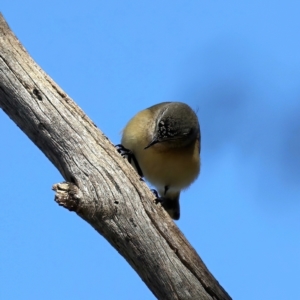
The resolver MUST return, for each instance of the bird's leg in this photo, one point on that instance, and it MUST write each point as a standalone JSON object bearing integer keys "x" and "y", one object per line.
{"x": 130, "y": 157}
{"x": 170, "y": 204}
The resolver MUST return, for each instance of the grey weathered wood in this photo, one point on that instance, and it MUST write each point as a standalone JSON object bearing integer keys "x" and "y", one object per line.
{"x": 106, "y": 191}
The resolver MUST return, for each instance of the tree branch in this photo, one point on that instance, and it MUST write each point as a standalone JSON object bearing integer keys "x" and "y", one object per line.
{"x": 103, "y": 188}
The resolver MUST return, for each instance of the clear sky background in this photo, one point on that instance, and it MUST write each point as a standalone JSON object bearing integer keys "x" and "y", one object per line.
{"x": 237, "y": 63}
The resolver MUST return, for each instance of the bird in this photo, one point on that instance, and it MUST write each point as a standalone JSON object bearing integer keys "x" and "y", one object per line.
{"x": 163, "y": 144}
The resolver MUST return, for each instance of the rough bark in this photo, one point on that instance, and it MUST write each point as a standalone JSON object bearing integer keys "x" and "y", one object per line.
{"x": 103, "y": 189}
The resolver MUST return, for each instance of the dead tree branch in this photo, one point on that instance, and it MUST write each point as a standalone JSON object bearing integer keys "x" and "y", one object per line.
{"x": 102, "y": 187}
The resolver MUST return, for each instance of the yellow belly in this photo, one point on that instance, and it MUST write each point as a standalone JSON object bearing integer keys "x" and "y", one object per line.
{"x": 176, "y": 169}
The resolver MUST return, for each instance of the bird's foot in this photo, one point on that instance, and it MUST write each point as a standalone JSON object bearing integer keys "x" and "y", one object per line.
{"x": 128, "y": 154}
{"x": 156, "y": 195}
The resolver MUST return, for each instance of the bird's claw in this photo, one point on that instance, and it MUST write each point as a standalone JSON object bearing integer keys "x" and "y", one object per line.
{"x": 126, "y": 153}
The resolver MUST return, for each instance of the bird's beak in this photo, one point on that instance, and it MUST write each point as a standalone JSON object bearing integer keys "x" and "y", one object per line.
{"x": 154, "y": 141}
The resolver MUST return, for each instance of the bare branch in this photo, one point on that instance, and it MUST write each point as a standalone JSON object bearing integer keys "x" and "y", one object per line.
{"x": 103, "y": 189}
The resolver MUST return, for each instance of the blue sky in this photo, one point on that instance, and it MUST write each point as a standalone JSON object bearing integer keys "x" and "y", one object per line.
{"x": 237, "y": 63}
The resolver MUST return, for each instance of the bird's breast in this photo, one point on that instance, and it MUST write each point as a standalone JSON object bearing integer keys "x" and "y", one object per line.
{"x": 176, "y": 168}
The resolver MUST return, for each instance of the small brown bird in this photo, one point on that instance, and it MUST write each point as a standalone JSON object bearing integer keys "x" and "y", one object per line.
{"x": 165, "y": 143}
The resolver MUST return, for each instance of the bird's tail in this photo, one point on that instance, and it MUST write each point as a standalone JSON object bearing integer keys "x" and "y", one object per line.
{"x": 171, "y": 205}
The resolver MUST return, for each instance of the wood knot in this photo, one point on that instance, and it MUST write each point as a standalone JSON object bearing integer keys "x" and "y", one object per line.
{"x": 37, "y": 93}
{"x": 67, "y": 195}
